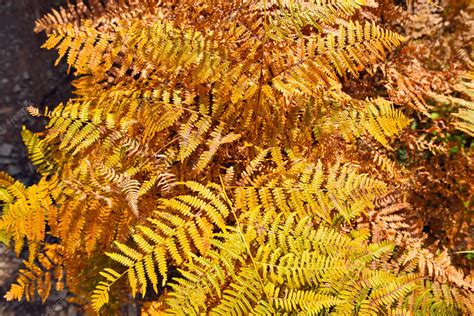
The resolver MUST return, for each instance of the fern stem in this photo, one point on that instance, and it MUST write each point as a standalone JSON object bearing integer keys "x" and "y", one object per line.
{"x": 247, "y": 247}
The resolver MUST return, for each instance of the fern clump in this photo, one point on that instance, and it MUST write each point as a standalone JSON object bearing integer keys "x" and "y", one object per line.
{"x": 211, "y": 163}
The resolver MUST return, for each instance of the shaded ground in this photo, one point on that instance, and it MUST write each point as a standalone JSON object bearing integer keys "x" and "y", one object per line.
{"x": 27, "y": 76}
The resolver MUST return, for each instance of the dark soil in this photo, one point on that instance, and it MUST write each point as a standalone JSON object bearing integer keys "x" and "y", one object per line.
{"x": 27, "y": 77}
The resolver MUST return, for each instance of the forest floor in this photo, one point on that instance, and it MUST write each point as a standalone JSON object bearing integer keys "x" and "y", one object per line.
{"x": 27, "y": 76}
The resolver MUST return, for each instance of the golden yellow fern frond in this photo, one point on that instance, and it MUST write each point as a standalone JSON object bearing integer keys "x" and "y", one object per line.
{"x": 379, "y": 118}
{"x": 310, "y": 189}
{"x": 274, "y": 277}
{"x": 25, "y": 213}
{"x": 384, "y": 121}
{"x": 77, "y": 129}
{"x": 464, "y": 117}
{"x": 438, "y": 299}
{"x": 38, "y": 278}
{"x": 94, "y": 11}
{"x": 100, "y": 295}
{"x": 7, "y": 181}
{"x": 85, "y": 48}
{"x": 39, "y": 152}
{"x": 180, "y": 227}
{"x": 139, "y": 48}
{"x": 317, "y": 63}
{"x": 466, "y": 114}
{"x": 386, "y": 164}
{"x": 287, "y": 18}
{"x": 309, "y": 302}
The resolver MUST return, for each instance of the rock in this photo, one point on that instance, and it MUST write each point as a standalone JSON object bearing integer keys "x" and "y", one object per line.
{"x": 71, "y": 310}
{"x": 5, "y": 81}
{"x": 17, "y": 88}
{"x": 6, "y": 161}
{"x": 25, "y": 75}
{"x": 13, "y": 170}
{"x": 58, "y": 307}
{"x": 31, "y": 168}
{"x": 6, "y": 150}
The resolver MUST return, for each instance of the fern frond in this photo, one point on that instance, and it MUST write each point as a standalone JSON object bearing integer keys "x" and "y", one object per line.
{"x": 41, "y": 156}
{"x": 174, "y": 236}
{"x": 25, "y": 214}
{"x": 378, "y": 118}
{"x": 291, "y": 17}
{"x": 168, "y": 96}
{"x": 353, "y": 48}
{"x": 286, "y": 271}
{"x": 464, "y": 104}
{"x": 79, "y": 129}
{"x": 38, "y": 278}
{"x": 318, "y": 194}
{"x": 93, "y": 12}
{"x": 309, "y": 302}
